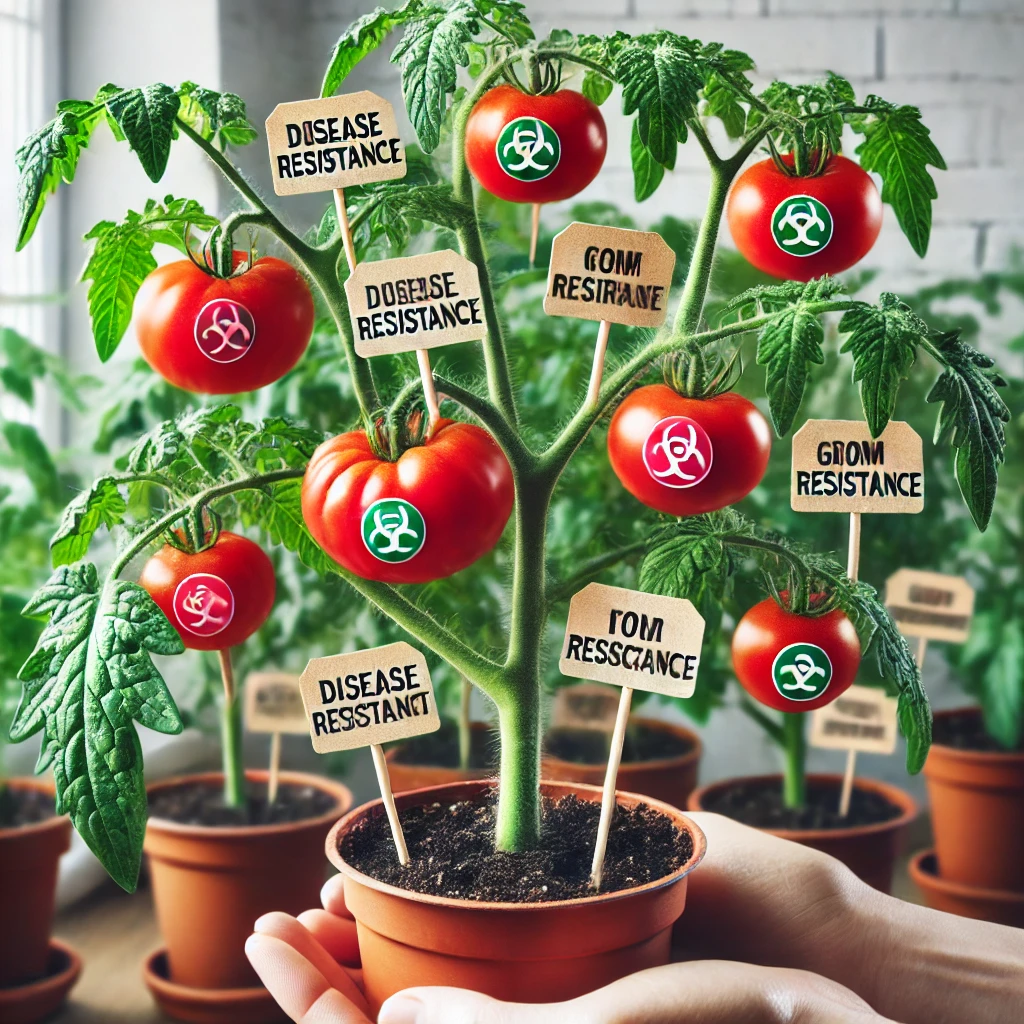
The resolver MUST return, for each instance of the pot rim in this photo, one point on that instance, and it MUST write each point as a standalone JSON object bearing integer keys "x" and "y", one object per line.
{"x": 660, "y": 764}
{"x": 1001, "y": 758}
{"x": 470, "y": 788}
{"x": 893, "y": 793}
{"x": 56, "y": 821}
{"x": 929, "y": 880}
{"x": 341, "y": 792}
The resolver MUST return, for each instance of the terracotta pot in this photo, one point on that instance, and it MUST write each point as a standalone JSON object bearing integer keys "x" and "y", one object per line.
{"x": 405, "y": 777}
{"x": 39, "y": 999}
{"x": 670, "y": 780}
{"x": 29, "y": 856}
{"x": 964, "y": 900}
{"x": 977, "y": 805}
{"x": 534, "y": 952}
{"x": 210, "y": 884}
{"x": 869, "y": 851}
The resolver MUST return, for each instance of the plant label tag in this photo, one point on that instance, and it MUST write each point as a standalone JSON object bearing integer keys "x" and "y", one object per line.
{"x": 319, "y": 145}
{"x": 862, "y": 719}
{"x": 613, "y": 274}
{"x": 415, "y": 302}
{"x": 839, "y": 467}
{"x": 585, "y": 706}
{"x": 930, "y": 604}
{"x": 273, "y": 703}
{"x": 629, "y": 638}
{"x": 367, "y": 697}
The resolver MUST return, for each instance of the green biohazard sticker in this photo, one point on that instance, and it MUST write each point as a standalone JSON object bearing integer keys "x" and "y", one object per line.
{"x": 528, "y": 149}
{"x": 393, "y": 530}
{"x": 801, "y": 671}
{"x": 801, "y": 225}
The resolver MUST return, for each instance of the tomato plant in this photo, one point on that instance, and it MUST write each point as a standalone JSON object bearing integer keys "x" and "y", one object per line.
{"x": 222, "y": 336}
{"x": 535, "y": 149}
{"x": 799, "y": 227}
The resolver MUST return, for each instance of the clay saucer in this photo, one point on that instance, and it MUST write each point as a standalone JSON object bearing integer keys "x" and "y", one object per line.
{"x": 208, "y": 1005}
{"x": 966, "y": 900}
{"x": 24, "y": 1004}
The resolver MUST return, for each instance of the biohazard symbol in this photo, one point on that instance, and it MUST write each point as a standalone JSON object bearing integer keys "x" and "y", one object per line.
{"x": 225, "y": 330}
{"x": 204, "y": 604}
{"x": 393, "y": 530}
{"x": 531, "y": 142}
{"x": 802, "y": 669}
{"x": 807, "y": 667}
{"x": 801, "y": 225}
{"x": 678, "y": 452}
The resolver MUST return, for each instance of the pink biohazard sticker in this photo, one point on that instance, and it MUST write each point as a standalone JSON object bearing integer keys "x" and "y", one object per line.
{"x": 203, "y": 604}
{"x": 225, "y": 330}
{"x": 678, "y": 452}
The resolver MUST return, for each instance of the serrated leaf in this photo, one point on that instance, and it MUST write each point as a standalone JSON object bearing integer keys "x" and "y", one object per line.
{"x": 215, "y": 115}
{"x": 89, "y": 676}
{"x": 596, "y": 87}
{"x": 278, "y": 509}
{"x": 32, "y": 457}
{"x": 101, "y": 505}
{"x": 722, "y": 101}
{"x": 146, "y": 117}
{"x": 647, "y": 172}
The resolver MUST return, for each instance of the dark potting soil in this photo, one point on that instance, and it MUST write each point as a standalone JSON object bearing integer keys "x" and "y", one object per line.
{"x": 590, "y": 746}
{"x": 202, "y": 803}
{"x": 19, "y": 807}
{"x": 759, "y": 804}
{"x": 451, "y": 851}
{"x": 441, "y": 749}
{"x": 965, "y": 730}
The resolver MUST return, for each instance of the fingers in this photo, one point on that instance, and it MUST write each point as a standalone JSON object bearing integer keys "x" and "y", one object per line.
{"x": 459, "y": 1006}
{"x": 332, "y": 896}
{"x": 336, "y": 934}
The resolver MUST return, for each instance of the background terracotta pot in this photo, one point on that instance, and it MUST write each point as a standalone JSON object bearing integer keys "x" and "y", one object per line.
{"x": 967, "y": 901}
{"x": 977, "y": 805}
{"x": 537, "y": 952}
{"x": 210, "y": 884}
{"x": 29, "y": 856}
{"x": 671, "y": 779}
{"x": 869, "y": 851}
{"x": 405, "y": 777}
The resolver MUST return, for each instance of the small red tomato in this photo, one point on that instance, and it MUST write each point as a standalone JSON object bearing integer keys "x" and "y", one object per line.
{"x": 222, "y": 336}
{"x": 685, "y": 456}
{"x": 794, "y": 662}
{"x": 803, "y": 227}
{"x": 535, "y": 149}
{"x": 214, "y": 598}
{"x": 436, "y": 509}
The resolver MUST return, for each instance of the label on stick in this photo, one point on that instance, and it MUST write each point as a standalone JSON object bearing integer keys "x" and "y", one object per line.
{"x": 862, "y": 719}
{"x": 372, "y": 696}
{"x": 930, "y": 604}
{"x": 273, "y": 703}
{"x": 629, "y": 638}
{"x": 585, "y": 706}
{"x": 839, "y": 467}
{"x": 415, "y": 302}
{"x": 319, "y": 145}
{"x": 613, "y": 274}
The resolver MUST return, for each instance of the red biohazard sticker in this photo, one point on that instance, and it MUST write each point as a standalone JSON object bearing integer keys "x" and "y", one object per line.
{"x": 677, "y": 452}
{"x": 225, "y": 330}
{"x": 203, "y": 604}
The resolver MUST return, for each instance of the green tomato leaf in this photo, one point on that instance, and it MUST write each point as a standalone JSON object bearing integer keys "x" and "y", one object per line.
{"x": 596, "y": 87}
{"x": 278, "y": 509}
{"x": 146, "y": 117}
{"x": 32, "y": 457}
{"x": 647, "y": 172}
{"x": 101, "y": 505}
{"x": 722, "y": 101}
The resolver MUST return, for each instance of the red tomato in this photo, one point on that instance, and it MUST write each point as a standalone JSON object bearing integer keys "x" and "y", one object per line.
{"x": 438, "y": 508}
{"x": 214, "y": 598}
{"x": 535, "y": 149}
{"x": 222, "y": 336}
{"x": 685, "y": 456}
{"x": 799, "y": 228}
{"x": 794, "y": 662}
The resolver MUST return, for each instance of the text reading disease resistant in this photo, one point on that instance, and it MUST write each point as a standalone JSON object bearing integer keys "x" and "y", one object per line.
{"x": 416, "y": 305}
{"x": 343, "y": 144}
{"x": 371, "y": 698}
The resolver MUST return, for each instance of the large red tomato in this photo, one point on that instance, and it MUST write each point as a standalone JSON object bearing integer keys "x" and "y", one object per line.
{"x": 794, "y": 662}
{"x": 222, "y": 336}
{"x": 685, "y": 456}
{"x": 798, "y": 228}
{"x": 438, "y": 508}
{"x": 214, "y": 598}
{"x": 535, "y": 149}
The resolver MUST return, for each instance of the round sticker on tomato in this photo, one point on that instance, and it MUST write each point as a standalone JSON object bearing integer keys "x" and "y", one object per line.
{"x": 528, "y": 149}
{"x": 678, "y": 452}
{"x": 203, "y": 604}
{"x": 801, "y": 225}
{"x": 801, "y": 671}
{"x": 393, "y": 530}
{"x": 225, "y": 330}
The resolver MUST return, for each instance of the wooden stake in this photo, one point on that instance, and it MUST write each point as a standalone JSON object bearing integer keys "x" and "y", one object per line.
{"x": 275, "y": 766}
{"x": 429, "y": 392}
{"x": 844, "y": 798}
{"x": 384, "y": 781}
{"x": 853, "y": 571}
{"x": 346, "y": 232}
{"x": 534, "y": 232}
{"x": 610, "y": 777}
{"x": 922, "y": 650}
{"x": 597, "y": 370}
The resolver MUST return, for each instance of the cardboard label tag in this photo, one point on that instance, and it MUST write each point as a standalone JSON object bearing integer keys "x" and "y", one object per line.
{"x": 839, "y": 467}
{"x": 599, "y": 273}
{"x": 273, "y": 703}
{"x": 318, "y": 145}
{"x": 862, "y": 719}
{"x": 585, "y": 706}
{"x": 629, "y": 638}
{"x": 415, "y": 302}
{"x": 930, "y": 604}
{"x": 372, "y": 696}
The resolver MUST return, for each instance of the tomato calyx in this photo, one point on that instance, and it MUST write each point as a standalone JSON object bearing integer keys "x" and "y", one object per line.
{"x": 395, "y": 430}
{"x": 217, "y": 255}
{"x": 801, "y": 162}
{"x": 545, "y": 76}
{"x": 800, "y": 599}
{"x": 199, "y": 531}
{"x": 692, "y": 373}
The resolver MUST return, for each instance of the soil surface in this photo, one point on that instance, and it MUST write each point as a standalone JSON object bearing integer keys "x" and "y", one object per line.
{"x": 760, "y": 805}
{"x": 451, "y": 848}
{"x": 202, "y": 803}
{"x": 441, "y": 749}
{"x": 590, "y": 746}
{"x": 966, "y": 731}
{"x": 19, "y": 807}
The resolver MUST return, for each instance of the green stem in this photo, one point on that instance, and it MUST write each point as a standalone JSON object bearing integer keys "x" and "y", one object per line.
{"x": 589, "y": 569}
{"x": 518, "y": 819}
{"x": 231, "y": 736}
{"x": 503, "y": 432}
{"x": 794, "y": 780}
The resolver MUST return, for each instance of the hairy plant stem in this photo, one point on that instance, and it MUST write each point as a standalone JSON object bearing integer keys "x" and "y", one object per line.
{"x": 794, "y": 780}
{"x": 231, "y": 735}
